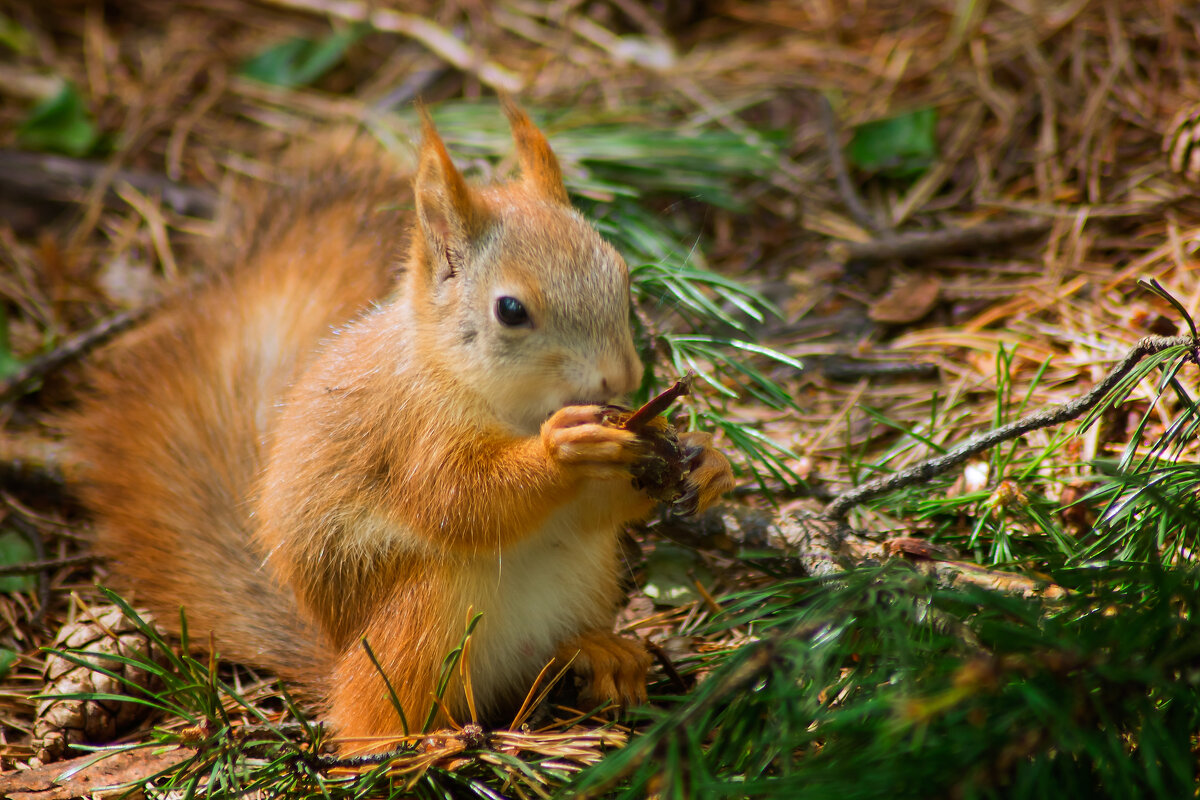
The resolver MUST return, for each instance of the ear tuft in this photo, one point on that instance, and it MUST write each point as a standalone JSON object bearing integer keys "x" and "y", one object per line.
{"x": 449, "y": 215}
{"x": 539, "y": 166}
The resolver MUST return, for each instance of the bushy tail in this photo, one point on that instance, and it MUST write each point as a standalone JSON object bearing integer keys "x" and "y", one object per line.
{"x": 170, "y": 437}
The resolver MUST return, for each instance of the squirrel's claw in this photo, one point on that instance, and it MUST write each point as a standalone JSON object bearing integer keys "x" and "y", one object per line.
{"x": 709, "y": 475}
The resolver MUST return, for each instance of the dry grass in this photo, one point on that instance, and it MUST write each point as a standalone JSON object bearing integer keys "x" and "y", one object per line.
{"x": 1050, "y": 112}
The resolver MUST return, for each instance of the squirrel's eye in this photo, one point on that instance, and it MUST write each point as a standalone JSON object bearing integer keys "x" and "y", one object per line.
{"x": 511, "y": 312}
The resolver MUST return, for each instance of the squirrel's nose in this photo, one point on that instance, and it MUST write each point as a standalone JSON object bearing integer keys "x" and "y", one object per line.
{"x": 620, "y": 375}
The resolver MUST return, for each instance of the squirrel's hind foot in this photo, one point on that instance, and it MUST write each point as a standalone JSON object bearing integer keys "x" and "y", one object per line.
{"x": 612, "y": 667}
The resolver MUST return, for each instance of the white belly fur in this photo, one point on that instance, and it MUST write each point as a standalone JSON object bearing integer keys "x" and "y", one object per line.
{"x": 557, "y": 583}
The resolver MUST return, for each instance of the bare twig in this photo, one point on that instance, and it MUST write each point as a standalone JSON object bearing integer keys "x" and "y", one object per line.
{"x": 69, "y": 350}
{"x": 659, "y": 403}
{"x": 833, "y": 144}
{"x": 668, "y": 666}
{"x": 60, "y": 178}
{"x": 1056, "y": 415}
{"x": 923, "y": 244}
{"x": 48, "y": 564}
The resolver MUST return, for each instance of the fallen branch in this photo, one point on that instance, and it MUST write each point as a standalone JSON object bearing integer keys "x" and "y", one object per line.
{"x": 1055, "y": 415}
{"x": 52, "y": 177}
{"x": 925, "y": 244}
{"x": 812, "y": 544}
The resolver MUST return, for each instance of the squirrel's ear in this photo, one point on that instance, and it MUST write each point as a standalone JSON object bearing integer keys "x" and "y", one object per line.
{"x": 448, "y": 212}
{"x": 539, "y": 166}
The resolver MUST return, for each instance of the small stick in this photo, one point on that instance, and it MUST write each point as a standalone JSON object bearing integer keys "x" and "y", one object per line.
{"x": 658, "y": 404}
{"x": 850, "y": 199}
{"x": 668, "y": 666}
{"x": 72, "y": 348}
{"x": 54, "y": 177}
{"x": 840, "y": 368}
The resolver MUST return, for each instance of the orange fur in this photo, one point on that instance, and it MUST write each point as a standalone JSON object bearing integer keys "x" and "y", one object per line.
{"x": 336, "y": 440}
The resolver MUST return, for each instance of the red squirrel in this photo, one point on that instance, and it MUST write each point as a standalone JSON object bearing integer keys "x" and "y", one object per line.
{"x": 372, "y": 424}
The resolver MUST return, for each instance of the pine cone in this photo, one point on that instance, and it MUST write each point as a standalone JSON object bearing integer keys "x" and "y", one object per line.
{"x": 661, "y": 471}
{"x": 105, "y": 631}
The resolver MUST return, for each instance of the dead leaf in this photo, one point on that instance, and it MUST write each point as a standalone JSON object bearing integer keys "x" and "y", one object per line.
{"x": 909, "y": 299}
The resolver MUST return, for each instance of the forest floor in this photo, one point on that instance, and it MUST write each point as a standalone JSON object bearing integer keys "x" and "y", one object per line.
{"x": 955, "y": 208}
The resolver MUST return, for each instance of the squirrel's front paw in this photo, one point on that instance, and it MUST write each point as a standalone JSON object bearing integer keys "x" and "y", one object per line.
{"x": 577, "y": 437}
{"x": 612, "y": 667}
{"x": 709, "y": 474}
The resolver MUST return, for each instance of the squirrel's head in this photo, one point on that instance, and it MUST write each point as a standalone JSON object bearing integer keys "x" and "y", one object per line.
{"x": 523, "y": 299}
